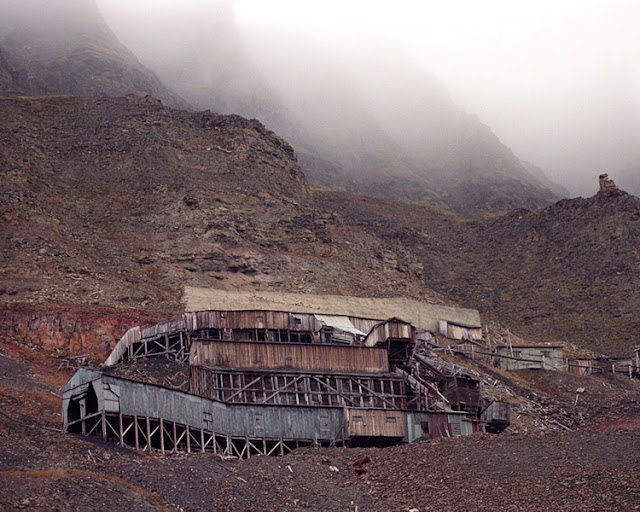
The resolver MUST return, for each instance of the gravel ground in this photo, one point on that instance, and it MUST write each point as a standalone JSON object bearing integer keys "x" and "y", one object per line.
{"x": 595, "y": 468}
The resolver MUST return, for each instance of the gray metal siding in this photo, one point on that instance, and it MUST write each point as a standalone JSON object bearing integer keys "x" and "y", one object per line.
{"x": 140, "y": 399}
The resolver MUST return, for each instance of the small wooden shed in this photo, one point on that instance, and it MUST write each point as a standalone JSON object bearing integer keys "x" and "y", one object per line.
{"x": 529, "y": 357}
{"x": 459, "y": 331}
{"x": 398, "y": 336}
{"x": 374, "y": 423}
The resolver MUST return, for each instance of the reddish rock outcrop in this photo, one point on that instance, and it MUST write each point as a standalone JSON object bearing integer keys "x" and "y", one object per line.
{"x": 72, "y": 330}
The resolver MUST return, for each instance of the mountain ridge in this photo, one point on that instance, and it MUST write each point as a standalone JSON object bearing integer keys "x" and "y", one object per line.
{"x": 122, "y": 202}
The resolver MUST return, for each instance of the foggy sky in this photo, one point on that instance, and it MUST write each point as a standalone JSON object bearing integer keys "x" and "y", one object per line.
{"x": 557, "y": 81}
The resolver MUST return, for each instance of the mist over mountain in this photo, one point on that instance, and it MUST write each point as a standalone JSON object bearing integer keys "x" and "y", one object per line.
{"x": 63, "y": 47}
{"x": 629, "y": 178}
{"x": 123, "y": 201}
{"x": 596, "y": 128}
{"x": 363, "y": 118}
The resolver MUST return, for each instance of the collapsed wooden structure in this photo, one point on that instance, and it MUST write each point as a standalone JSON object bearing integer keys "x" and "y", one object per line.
{"x": 264, "y": 382}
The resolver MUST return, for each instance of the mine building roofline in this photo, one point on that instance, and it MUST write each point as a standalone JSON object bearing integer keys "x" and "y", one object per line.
{"x": 462, "y": 324}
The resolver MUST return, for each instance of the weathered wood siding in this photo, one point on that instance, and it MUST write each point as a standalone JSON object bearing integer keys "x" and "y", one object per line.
{"x": 577, "y": 366}
{"x": 307, "y": 357}
{"x": 497, "y": 411}
{"x": 464, "y": 393}
{"x": 252, "y": 319}
{"x": 395, "y": 329}
{"x": 130, "y": 337}
{"x": 168, "y": 327}
{"x": 529, "y": 358}
{"x": 363, "y": 324}
{"x": 434, "y": 425}
{"x": 611, "y": 365}
{"x": 459, "y": 332}
{"x": 375, "y": 423}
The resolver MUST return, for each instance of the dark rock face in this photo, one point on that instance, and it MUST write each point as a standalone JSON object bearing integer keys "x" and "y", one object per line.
{"x": 71, "y": 330}
{"x": 606, "y": 183}
{"x": 62, "y": 47}
{"x": 120, "y": 200}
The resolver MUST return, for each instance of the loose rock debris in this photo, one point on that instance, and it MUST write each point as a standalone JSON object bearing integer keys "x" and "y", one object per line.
{"x": 594, "y": 467}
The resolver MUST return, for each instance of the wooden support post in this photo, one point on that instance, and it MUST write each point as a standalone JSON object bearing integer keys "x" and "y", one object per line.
{"x": 83, "y": 415}
{"x": 202, "y": 440}
{"x": 120, "y": 433}
{"x": 148, "y": 434}
{"x": 161, "y": 435}
{"x": 104, "y": 424}
{"x": 188, "y": 439}
{"x": 175, "y": 438}
{"x": 135, "y": 429}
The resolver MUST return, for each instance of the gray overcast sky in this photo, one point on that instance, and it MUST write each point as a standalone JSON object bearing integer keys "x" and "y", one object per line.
{"x": 557, "y": 81}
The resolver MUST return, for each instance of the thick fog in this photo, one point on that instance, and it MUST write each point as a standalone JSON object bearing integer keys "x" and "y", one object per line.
{"x": 558, "y": 82}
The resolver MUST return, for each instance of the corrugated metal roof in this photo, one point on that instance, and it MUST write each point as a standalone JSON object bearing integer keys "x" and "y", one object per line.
{"x": 341, "y": 323}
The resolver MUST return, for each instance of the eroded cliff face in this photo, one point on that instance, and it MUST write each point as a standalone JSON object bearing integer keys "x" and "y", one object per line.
{"x": 71, "y": 330}
{"x": 118, "y": 201}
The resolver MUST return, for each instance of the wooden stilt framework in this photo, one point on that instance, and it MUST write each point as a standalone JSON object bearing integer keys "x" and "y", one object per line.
{"x": 147, "y": 434}
{"x": 280, "y": 388}
{"x": 175, "y": 344}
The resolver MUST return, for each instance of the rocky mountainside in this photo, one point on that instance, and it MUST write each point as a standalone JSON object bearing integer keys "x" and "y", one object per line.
{"x": 569, "y": 272}
{"x": 62, "y": 47}
{"x": 378, "y": 127}
{"x": 123, "y": 199}
{"x": 363, "y": 120}
{"x": 122, "y": 202}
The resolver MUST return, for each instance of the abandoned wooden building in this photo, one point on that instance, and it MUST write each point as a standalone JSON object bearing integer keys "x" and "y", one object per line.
{"x": 459, "y": 330}
{"x": 264, "y": 382}
{"x": 601, "y": 365}
{"x": 529, "y": 357}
